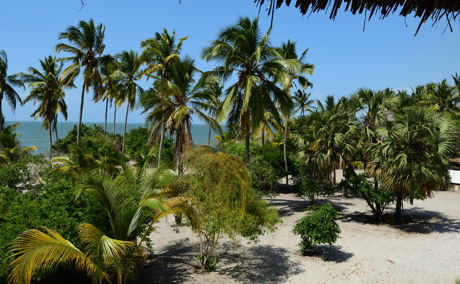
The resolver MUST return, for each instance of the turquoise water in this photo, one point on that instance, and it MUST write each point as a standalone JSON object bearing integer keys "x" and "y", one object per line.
{"x": 31, "y": 133}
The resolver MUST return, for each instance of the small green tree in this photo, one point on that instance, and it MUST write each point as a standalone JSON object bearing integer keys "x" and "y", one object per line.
{"x": 317, "y": 227}
{"x": 224, "y": 200}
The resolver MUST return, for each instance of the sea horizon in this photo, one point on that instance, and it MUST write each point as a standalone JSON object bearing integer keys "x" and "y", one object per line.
{"x": 31, "y": 133}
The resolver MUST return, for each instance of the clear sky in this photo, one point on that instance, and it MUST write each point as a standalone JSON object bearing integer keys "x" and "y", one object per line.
{"x": 346, "y": 58}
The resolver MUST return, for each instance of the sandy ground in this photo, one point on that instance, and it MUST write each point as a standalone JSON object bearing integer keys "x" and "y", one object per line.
{"x": 427, "y": 250}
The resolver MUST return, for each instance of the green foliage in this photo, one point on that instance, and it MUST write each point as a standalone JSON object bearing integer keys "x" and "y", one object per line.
{"x": 376, "y": 198}
{"x": 311, "y": 188}
{"x": 24, "y": 173}
{"x": 65, "y": 144}
{"x": 266, "y": 164}
{"x": 52, "y": 205}
{"x": 224, "y": 200}
{"x": 263, "y": 176}
{"x": 136, "y": 143}
{"x": 318, "y": 227}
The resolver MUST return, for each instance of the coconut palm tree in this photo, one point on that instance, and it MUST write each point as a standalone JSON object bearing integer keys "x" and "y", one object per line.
{"x": 85, "y": 48}
{"x": 159, "y": 53}
{"x": 268, "y": 127}
{"x": 288, "y": 52}
{"x": 129, "y": 74}
{"x": 7, "y": 84}
{"x": 413, "y": 157}
{"x": 109, "y": 86}
{"x": 183, "y": 96}
{"x": 47, "y": 89}
{"x": 107, "y": 256}
{"x": 243, "y": 52}
{"x": 303, "y": 102}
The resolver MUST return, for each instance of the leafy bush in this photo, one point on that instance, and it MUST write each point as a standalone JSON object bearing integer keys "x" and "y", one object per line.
{"x": 376, "y": 198}
{"x": 263, "y": 176}
{"x": 224, "y": 201}
{"x": 318, "y": 227}
{"x": 52, "y": 205}
{"x": 310, "y": 188}
{"x": 136, "y": 143}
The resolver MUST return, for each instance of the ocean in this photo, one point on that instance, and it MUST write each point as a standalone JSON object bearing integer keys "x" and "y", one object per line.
{"x": 31, "y": 133}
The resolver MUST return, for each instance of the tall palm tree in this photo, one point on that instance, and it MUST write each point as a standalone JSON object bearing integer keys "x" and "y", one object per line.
{"x": 129, "y": 73}
{"x": 47, "y": 89}
{"x": 184, "y": 97}
{"x": 303, "y": 102}
{"x": 85, "y": 47}
{"x": 7, "y": 84}
{"x": 245, "y": 53}
{"x": 267, "y": 127}
{"x": 108, "y": 85}
{"x": 288, "y": 52}
{"x": 159, "y": 53}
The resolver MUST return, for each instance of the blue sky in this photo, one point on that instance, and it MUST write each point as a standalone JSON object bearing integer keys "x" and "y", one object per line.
{"x": 386, "y": 54}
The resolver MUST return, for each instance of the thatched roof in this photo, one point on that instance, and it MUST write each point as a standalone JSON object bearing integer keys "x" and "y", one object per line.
{"x": 424, "y": 9}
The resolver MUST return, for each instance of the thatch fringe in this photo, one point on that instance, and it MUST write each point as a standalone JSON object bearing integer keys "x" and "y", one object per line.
{"x": 424, "y": 9}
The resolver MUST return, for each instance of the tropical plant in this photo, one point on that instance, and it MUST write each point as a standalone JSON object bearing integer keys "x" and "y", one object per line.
{"x": 159, "y": 53}
{"x": 245, "y": 53}
{"x": 7, "y": 84}
{"x": 182, "y": 96}
{"x": 112, "y": 255}
{"x": 10, "y": 149}
{"x": 129, "y": 73}
{"x": 224, "y": 201}
{"x": 317, "y": 227}
{"x": 47, "y": 88}
{"x": 85, "y": 47}
{"x": 413, "y": 157}
{"x": 303, "y": 102}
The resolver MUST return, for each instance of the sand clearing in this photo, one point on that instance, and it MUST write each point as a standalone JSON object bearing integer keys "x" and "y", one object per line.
{"x": 424, "y": 251}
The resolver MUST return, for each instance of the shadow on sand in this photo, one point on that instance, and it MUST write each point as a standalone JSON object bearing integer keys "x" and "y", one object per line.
{"x": 332, "y": 253}
{"x": 260, "y": 264}
{"x": 289, "y": 207}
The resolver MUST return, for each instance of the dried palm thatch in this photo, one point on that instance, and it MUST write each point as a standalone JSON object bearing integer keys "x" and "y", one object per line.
{"x": 435, "y": 10}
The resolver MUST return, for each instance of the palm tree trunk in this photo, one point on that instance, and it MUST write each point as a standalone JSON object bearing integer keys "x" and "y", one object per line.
{"x": 209, "y": 136}
{"x": 55, "y": 128}
{"x": 81, "y": 113}
{"x": 2, "y": 119}
{"x": 114, "y": 118}
{"x": 162, "y": 133}
{"x": 246, "y": 155}
{"x": 50, "y": 133}
{"x": 263, "y": 136}
{"x": 124, "y": 130}
{"x": 105, "y": 117}
{"x": 285, "y": 150}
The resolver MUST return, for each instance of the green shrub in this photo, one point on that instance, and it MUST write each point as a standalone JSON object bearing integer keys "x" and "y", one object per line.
{"x": 317, "y": 227}
{"x": 52, "y": 204}
{"x": 263, "y": 176}
{"x": 136, "y": 143}
{"x": 224, "y": 201}
{"x": 310, "y": 188}
{"x": 376, "y": 198}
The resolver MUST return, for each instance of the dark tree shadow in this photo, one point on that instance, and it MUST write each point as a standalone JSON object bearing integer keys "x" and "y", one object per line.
{"x": 289, "y": 207}
{"x": 260, "y": 264}
{"x": 419, "y": 220}
{"x": 332, "y": 253}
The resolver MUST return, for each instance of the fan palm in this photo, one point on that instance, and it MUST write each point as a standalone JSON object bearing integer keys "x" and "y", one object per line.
{"x": 7, "y": 84}
{"x": 413, "y": 157}
{"x": 47, "y": 88}
{"x": 159, "y": 53}
{"x": 247, "y": 55}
{"x": 129, "y": 73}
{"x": 85, "y": 47}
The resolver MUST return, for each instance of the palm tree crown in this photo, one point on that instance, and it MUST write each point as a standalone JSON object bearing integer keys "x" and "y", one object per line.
{"x": 7, "y": 82}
